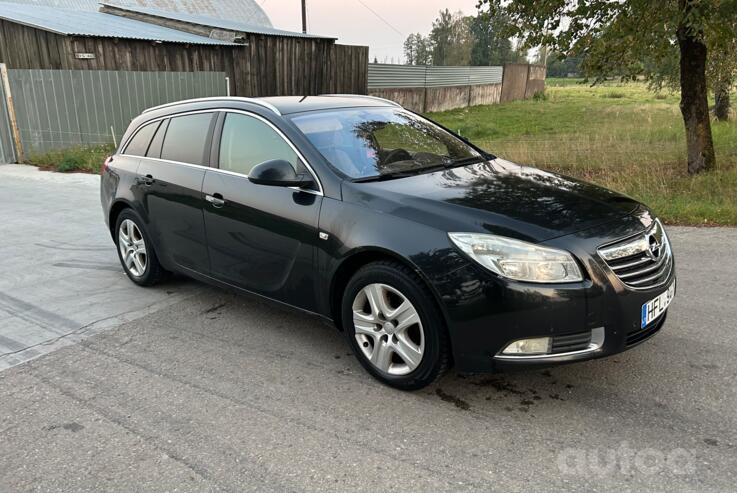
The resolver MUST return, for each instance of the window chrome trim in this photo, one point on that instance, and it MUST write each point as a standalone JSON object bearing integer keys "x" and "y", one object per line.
{"x": 258, "y": 102}
{"x": 124, "y": 145}
{"x": 320, "y": 192}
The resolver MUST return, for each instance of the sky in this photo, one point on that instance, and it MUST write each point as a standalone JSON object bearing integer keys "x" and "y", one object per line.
{"x": 353, "y": 22}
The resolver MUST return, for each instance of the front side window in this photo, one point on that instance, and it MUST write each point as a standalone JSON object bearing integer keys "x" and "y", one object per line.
{"x": 140, "y": 142}
{"x": 247, "y": 141}
{"x": 373, "y": 142}
{"x": 186, "y": 138}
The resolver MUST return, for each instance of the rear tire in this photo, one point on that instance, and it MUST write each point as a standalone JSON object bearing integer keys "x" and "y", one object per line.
{"x": 395, "y": 327}
{"x": 136, "y": 251}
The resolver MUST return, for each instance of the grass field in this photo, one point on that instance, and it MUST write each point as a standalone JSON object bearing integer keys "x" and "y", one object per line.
{"x": 621, "y": 136}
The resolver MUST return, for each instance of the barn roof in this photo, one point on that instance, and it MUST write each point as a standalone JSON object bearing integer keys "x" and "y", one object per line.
{"x": 244, "y": 10}
{"x": 96, "y": 24}
{"x": 203, "y": 20}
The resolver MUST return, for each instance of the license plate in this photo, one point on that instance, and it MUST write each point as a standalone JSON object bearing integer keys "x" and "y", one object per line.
{"x": 655, "y": 307}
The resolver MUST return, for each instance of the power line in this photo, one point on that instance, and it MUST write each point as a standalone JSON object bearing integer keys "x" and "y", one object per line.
{"x": 381, "y": 18}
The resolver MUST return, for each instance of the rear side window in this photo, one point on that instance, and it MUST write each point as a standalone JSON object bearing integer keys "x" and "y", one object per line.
{"x": 154, "y": 150}
{"x": 140, "y": 142}
{"x": 186, "y": 138}
{"x": 248, "y": 141}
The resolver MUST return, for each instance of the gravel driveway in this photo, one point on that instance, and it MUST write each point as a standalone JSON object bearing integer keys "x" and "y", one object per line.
{"x": 107, "y": 386}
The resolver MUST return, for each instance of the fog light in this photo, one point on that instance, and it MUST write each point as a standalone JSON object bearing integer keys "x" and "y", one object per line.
{"x": 540, "y": 345}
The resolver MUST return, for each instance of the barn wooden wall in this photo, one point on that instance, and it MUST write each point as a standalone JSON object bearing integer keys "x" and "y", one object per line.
{"x": 273, "y": 66}
{"x": 266, "y": 66}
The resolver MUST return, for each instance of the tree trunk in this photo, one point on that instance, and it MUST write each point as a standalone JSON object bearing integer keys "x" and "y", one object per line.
{"x": 694, "y": 103}
{"x": 721, "y": 100}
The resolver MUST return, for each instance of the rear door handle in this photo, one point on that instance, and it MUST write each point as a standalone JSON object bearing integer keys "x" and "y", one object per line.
{"x": 216, "y": 200}
{"x": 147, "y": 180}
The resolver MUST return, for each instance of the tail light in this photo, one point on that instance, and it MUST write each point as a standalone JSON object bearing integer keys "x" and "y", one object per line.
{"x": 106, "y": 164}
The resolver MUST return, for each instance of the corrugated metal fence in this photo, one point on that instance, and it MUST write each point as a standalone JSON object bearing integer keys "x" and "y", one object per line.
{"x": 58, "y": 109}
{"x": 382, "y": 76}
{"x": 7, "y": 154}
{"x": 428, "y": 89}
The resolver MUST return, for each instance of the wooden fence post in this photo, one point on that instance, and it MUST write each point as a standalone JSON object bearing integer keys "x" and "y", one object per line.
{"x": 19, "y": 155}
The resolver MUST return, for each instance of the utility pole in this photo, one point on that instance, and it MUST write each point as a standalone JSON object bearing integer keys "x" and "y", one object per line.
{"x": 304, "y": 16}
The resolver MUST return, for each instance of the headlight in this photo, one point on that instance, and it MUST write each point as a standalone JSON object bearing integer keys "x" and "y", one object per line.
{"x": 518, "y": 260}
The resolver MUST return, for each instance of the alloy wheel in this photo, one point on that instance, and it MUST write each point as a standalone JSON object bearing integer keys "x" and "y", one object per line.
{"x": 132, "y": 248}
{"x": 388, "y": 329}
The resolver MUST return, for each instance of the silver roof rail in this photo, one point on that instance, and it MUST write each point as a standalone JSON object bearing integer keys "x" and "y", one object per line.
{"x": 259, "y": 102}
{"x": 362, "y": 96}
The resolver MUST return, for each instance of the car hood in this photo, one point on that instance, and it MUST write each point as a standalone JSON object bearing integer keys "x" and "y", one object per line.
{"x": 497, "y": 197}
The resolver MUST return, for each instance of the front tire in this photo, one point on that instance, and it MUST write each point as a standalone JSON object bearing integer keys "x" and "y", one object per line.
{"x": 136, "y": 251}
{"x": 394, "y": 326}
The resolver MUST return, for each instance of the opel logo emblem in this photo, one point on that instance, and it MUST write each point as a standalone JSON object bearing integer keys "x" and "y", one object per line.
{"x": 653, "y": 250}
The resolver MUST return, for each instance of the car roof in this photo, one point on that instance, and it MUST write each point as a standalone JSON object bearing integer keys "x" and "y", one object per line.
{"x": 281, "y": 105}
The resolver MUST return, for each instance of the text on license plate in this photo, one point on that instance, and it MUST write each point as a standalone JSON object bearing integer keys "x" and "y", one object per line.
{"x": 655, "y": 307}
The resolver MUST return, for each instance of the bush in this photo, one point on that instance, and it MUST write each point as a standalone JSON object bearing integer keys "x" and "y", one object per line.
{"x": 70, "y": 163}
{"x": 540, "y": 96}
{"x": 80, "y": 159}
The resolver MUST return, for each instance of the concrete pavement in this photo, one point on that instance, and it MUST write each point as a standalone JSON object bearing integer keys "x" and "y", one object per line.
{"x": 61, "y": 279}
{"x": 208, "y": 391}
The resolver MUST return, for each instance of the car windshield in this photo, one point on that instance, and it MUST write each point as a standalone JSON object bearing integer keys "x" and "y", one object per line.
{"x": 376, "y": 143}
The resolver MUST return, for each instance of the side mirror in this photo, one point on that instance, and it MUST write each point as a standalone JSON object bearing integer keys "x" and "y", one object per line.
{"x": 278, "y": 173}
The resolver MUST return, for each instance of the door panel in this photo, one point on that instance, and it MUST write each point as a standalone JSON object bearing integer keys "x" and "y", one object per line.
{"x": 172, "y": 189}
{"x": 173, "y": 200}
{"x": 262, "y": 238}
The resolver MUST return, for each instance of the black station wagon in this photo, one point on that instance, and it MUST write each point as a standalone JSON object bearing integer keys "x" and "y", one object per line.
{"x": 426, "y": 250}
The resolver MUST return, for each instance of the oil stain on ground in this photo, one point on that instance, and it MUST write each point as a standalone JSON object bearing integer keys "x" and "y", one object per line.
{"x": 457, "y": 401}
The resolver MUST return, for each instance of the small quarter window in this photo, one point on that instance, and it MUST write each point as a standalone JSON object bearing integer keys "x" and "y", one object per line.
{"x": 140, "y": 142}
{"x": 186, "y": 138}
{"x": 247, "y": 141}
{"x": 154, "y": 150}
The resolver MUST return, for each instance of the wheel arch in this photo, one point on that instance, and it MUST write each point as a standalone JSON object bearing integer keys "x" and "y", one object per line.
{"x": 360, "y": 258}
{"x": 117, "y": 207}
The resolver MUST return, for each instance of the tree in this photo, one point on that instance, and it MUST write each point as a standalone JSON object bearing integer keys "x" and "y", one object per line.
{"x": 441, "y": 37}
{"x": 451, "y": 39}
{"x": 562, "y": 66}
{"x": 490, "y": 45}
{"x": 721, "y": 69}
{"x": 416, "y": 50}
{"x": 617, "y": 37}
{"x": 409, "y": 50}
{"x": 423, "y": 50}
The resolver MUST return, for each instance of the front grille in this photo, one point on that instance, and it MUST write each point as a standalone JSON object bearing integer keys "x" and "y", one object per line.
{"x": 571, "y": 342}
{"x": 641, "y": 262}
{"x": 638, "y": 335}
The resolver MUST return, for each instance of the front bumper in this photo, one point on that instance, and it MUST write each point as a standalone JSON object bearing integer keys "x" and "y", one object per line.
{"x": 486, "y": 313}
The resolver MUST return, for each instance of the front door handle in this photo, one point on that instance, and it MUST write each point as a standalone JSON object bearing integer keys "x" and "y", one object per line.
{"x": 216, "y": 200}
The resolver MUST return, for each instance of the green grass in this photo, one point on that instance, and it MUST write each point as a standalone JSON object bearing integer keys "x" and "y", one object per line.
{"x": 621, "y": 136}
{"x": 76, "y": 159}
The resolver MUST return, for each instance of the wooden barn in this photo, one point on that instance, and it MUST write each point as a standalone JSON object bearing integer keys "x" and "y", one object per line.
{"x": 259, "y": 60}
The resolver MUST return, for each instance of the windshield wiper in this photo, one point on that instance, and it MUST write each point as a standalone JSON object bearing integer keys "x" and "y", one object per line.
{"x": 465, "y": 161}
{"x": 421, "y": 170}
{"x": 385, "y": 176}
